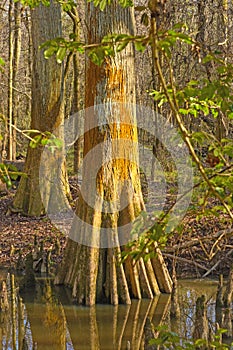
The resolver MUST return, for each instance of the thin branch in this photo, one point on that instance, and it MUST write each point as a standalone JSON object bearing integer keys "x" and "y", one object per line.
{"x": 220, "y": 234}
{"x": 186, "y": 260}
{"x": 23, "y": 133}
{"x": 184, "y": 131}
{"x": 217, "y": 263}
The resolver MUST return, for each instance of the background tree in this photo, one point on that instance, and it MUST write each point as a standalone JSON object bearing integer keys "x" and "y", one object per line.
{"x": 78, "y": 86}
{"x": 15, "y": 78}
{"x": 47, "y": 108}
{"x": 10, "y": 82}
{"x": 14, "y": 15}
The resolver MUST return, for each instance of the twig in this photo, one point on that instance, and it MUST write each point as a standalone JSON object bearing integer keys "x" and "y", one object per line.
{"x": 184, "y": 131}
{"x": 196, "y": 241}
{"x": 217, "y": 263}
{"x": 186, "y": 260}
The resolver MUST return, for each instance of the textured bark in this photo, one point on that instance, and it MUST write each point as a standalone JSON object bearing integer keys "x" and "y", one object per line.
{"x": 93, "y": 273}
{"x": 175, "y": 306}
{"x": 227, "y": 297}
{"x": 47, "y": 111}
{"x": 10, "y": 82}
{"x": 201, "y": 329}
{"x": 219, "y": 294}
{"x": 77, "y": 95}
{"x": 17, "y": 51}
{"x": 161, "y": 272}
{"x": 14, "y": 22}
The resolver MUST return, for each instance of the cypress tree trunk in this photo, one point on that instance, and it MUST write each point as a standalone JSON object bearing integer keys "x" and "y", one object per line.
{"x": 114, "y": 199}
{"x": 47, "y": 109}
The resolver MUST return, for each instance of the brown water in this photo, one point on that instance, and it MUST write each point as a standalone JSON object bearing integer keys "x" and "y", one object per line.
{"x": 48, "y": 320}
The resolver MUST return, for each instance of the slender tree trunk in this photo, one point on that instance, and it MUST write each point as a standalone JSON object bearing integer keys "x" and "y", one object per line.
{"x": 76, "y": 102}
{"x": 222, "y": 123}
{"x": 113, "y": 201}
{"x": 47, "y": 112}
{"x": 10, "y": 81}
{"x": 14, "y": 20}
{"x": 17, "y": 50}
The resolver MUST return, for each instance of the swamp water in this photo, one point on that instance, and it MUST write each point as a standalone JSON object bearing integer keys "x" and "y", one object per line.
{"x": 46, "y": 319}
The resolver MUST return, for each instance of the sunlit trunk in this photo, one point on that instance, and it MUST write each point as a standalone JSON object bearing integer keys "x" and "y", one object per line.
{"x": 113, "y": 200}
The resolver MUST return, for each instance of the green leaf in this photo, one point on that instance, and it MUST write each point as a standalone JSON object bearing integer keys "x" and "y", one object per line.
{"x": 44, "y": 141}
{"x": 102, "y": 5}
{"x": 184, "y": 37}
{"x": 214, "y": 112}
{"x": 220, "y": 191}
{"x": 126, "y": 3}
{"x": 36, "y": 141}
{"x": 122, "y": 46}
{"x": 190, "y": 92}
{"x": 49, "y": 52}
{"x": 180, "y": 25}
{"x": 200, "y": 342}
{"x": 193, "y": 83}
{"x": 224, "y": 105}
{"x": 224, "y": 91}
{"x": 8, "y": 183}
{"x": 199, "y": 136}
{"x": 207, "y": 92}
{"x": 208, "y": 58}
{"x": 2, "y": 62}
{"x": 145, "y": 19}
{"x": 165, "y": 46}
{"x": 221, "y": 331}
{"x": 184, "y": 111}
{"x": 61, "y": 53}
{"x": 33, "y": 144}
{"x": 97, "y": 56}
{"x": 78, "y": 46}
{"x": 140, "y": 46}
{"x": 72, "y": 36}
{"x": 67, "y": 5}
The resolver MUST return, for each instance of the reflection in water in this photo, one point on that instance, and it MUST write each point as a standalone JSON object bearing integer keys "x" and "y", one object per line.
{"x": 42, "y": 322}
{"x": 112, "y": 327}
{"x": 189, "y": 292}
{"x": 48, "y": 320}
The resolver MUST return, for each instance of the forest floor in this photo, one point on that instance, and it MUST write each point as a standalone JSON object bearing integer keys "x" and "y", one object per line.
{"x": 205, "y": 249}
{"x": 18, "y": 232}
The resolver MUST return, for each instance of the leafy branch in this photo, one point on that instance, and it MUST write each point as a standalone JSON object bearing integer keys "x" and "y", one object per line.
{"x": 174, "y": 105}
{"x": 67, "y": 5}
